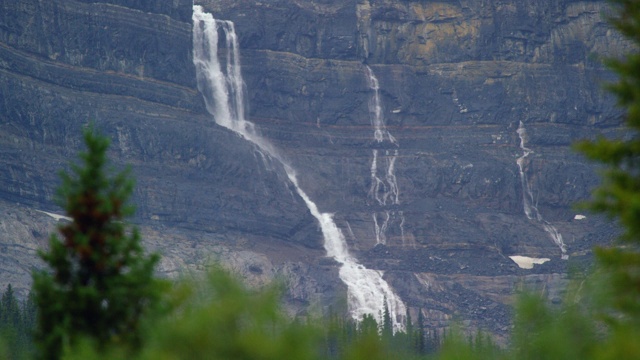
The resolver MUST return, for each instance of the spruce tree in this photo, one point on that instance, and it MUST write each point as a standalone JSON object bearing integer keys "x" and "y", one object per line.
{"x": 368, "y": 327}
{"x": 99, "y": 283}
{"x": 29, "y": 314}
{"x": 10, "y": 309}
{"x": 619, "y": 194}
{"x": 410, "y": 337}
{"x": 386, "y": 326}
{"x": 15, "y": 327}
{"x": 421, "y": 346}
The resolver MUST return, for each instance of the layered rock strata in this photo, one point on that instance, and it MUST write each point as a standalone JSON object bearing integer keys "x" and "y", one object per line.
{"x": 128, "y": 69}
{"x": 455, "y": 81}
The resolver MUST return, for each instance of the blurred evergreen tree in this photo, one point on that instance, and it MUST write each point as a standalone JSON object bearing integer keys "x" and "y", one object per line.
{"x": 619, "y": 194}
{"x": 220, "y": 319}
{"x": 99, "y": 283}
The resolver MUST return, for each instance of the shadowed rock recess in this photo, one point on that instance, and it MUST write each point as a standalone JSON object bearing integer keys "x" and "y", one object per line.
{"x": 455, "y": 82}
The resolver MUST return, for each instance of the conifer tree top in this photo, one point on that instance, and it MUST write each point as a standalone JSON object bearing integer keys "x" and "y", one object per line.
{"x": 100, "y": 282}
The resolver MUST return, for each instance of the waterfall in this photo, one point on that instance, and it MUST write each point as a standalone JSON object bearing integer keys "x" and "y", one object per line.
{"x": 384, "y": 186}
{"x": 223, "y": 92}
{"x": 530, "y": 208}
{"x": 375, "y": 108}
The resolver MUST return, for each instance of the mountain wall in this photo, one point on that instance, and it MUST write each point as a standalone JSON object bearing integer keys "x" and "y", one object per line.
{"x": 456, "y": 81}
{"x": 127, "y": 67}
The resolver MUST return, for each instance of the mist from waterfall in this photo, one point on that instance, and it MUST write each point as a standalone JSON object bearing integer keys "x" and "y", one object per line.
{"x": 384, "y": 185}
{"x": 223, "y": 91}
{"x": 530, "y": 207}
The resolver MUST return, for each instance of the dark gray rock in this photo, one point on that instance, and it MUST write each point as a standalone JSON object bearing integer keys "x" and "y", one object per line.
{"x": 456, "y": 79}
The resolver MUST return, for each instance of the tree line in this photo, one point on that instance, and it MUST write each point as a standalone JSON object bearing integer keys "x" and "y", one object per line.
{"x": 17, "y": 322}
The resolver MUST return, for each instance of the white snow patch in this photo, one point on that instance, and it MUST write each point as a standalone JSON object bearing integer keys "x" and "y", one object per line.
{"x": 525, "y": 262}
{"x": 56, "y": 216}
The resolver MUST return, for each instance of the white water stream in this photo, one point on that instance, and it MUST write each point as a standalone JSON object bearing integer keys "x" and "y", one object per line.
{"x": 375, "y": 108}
{"x": 384, "y": 185}
{"x": 223, "y": 91}
{"x": 530, "y": 208}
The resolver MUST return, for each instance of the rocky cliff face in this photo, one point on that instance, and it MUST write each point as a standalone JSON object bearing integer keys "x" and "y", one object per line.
{"x": 129, "y": 70}
{"x": 455, "y": 80}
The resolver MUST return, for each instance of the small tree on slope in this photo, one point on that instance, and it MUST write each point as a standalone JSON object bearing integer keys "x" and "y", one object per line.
{"x": 100, "y": 282}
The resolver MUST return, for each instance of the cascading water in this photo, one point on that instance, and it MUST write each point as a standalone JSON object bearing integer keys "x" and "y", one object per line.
{"x": 375, "y": 108}
{"x": 384, "y": 187}
{"x": 223, "y": 95}
{"x": 530, "y": 209}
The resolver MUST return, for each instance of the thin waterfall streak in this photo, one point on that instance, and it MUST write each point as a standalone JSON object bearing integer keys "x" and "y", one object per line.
{"x": 529, "y": 205}
{"x": 401, "y": 214}
{"x": 375, "y": 108}
{"x": 223, "y": 95}
{"x": 381, "y": 228}
{"x": 376, "y": 228}
{"x": 375, "y": 180}
{"x": 391, "y": 177}
{"x": 385, "y": 224}
{"x": 526, "y": 190}
{"x": 353, "y": 236}
{"x": 384, "y": 185}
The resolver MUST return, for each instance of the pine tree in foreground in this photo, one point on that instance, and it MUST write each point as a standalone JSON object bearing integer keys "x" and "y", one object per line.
{"x": 619, "y": 194}
{"x": 99, "y": 283}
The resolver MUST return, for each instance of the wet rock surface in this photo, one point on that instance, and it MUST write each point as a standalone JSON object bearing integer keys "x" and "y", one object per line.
{"x": 456, "y": 79}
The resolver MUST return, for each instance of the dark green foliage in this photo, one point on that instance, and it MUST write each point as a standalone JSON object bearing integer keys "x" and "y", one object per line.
{"x": 456, "y": 347}
{"x": 345, "y": 338}
{"x": 99, "y": 283}
{"x": 619, "y": 194}
{"x": 220, "y": 319}
{"x": 29, "y": 314}
{"x": 368, "y": 340}
{"x": 223, "y": 320}
{"x": 11, "y": 313}
{"x": 16, "y": 326}
{"x": 421, "y": 343}
{"x": 226, "y": 321}
{"x": 339, "y": 330}
{"x": 545, "y": 333}
{"x": 386, "y": 326}
{"x": 409, "y": 325}
{"x": 368, "y": 325}
{"x": 411, "y": 335}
